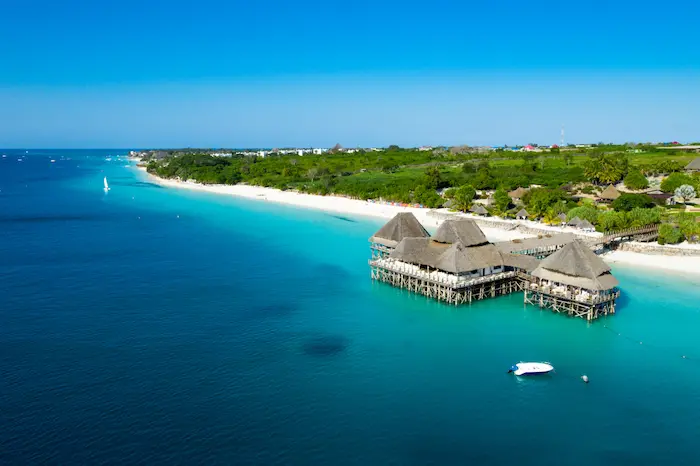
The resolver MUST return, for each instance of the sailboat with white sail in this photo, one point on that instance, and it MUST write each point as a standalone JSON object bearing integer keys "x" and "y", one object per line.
{"x": 106, "y": 185}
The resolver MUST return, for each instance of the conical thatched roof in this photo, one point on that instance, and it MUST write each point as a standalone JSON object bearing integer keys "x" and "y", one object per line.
{"x": 694, "y": 165}
{"x": 517, "y": 193}
{"x": 422, "y": 251}
{"x": 464, "y": 231}
{"x": 576, "y": 265}
{"x": 459, "y": 258}
{"x": 574, "y": 221}
{"x": 585, "y": 225}
{"x": 562, "y": 217}
{"x": 452, "y": 258}
{"x": 403, "y": 225}
{"x": 520, "y": 261}
{"x": 478, "y": 209}
{"x": 610, "y": 193}
{"x": 522, "y": 213}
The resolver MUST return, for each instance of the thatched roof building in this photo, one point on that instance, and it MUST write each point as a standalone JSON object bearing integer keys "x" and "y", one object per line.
{"x": 694, "y": 165}
{"x": 562, "y": 217}
{"x": 403, "y": 225}
{"x": 609, "y": 194}
{"x": 464, "y": 231}
{"x": 574, "y": 221}
{"x": 478, "y": 209}
{"x": 518, "y": 193}
{"x": 522, "y": 214}
{"x": 576, "y": 265}
{"x": 585, "y": 225}
{"x": 459, "y": 246}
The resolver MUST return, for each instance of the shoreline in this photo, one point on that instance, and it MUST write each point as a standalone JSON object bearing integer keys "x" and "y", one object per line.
{"x": 430, "y": 218}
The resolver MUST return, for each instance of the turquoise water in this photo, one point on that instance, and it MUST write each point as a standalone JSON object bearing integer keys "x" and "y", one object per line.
{"x": 152, "y": 326}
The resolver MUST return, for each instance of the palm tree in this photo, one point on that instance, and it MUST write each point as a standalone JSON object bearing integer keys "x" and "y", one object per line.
{"x": 551, "y": 218}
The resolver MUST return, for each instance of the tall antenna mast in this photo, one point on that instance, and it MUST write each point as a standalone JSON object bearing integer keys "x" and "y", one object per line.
{"x": 562, "y": 136}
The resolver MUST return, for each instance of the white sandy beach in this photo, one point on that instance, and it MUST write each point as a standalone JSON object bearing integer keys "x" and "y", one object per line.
{"x": 676, "y": 264}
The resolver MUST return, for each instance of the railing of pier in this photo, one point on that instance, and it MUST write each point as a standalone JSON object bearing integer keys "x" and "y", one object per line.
{"x": 425, "y": 276}
{"x": 610, "y": 236}
{"x": 532, "y": 286}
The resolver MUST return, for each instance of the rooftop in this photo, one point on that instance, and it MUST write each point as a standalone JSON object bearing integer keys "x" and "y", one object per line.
{"x": 576, "y": 265}
{"x": 402, "y": 225}
{"x": 610, "y": 193}
{"x": 535, "y": 243}
{"x": 694, "y": 164}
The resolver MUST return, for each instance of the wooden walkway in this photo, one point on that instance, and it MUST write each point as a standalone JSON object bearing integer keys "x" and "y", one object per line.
{"x": 645, "y": 233}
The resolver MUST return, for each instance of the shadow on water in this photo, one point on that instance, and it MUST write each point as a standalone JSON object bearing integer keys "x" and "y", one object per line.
{"x": 141, "y": 184}
{"x": 345, "y": 219}
{"x": 325, "y": 345}
{"x": 622, "y": 301}
{"x": 330, "y": 274}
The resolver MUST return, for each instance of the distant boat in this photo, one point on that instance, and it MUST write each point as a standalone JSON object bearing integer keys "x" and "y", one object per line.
{"x": 106, "y": 185}
{"x": 53, "y": 161}
{"x": 108, "y": 159}
{"x": 531, "y": 368}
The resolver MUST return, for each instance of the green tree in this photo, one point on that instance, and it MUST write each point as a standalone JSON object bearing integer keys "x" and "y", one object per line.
{"x": 606, "y": 168}
{"x": 312, "y": 173}
{"x": 627, "y": 202}
{"x": 539, "y": 200}
{"x": 551, "y": 217}
{"x": 483, "y": 179}
{"x": 674, "y": 181}
{"x": 433, "y": 176}
{"x": 668, "y": 234}
{"x": 463, "y": 197}
{"x": 635, "y": 180}
{"x": 610, "y": 220}
{"x": 586, "y": 212}
{"x": 501, "y": 199}
{"x": 639, "y": 217}
{"x": 468, "y": 167}
{"x": 427, "y": 196}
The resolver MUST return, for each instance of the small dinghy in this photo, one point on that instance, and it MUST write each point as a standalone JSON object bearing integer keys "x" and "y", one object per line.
{"x": 531, "y": 368}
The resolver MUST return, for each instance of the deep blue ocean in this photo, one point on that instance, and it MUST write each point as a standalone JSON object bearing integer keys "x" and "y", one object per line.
{"x": 159, "y": 326}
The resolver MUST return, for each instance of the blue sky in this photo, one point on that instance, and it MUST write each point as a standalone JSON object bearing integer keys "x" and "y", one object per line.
{"x": 313, "y": 73}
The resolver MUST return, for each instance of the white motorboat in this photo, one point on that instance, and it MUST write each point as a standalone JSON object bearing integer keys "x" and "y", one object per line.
{"x": 531, "y": 368}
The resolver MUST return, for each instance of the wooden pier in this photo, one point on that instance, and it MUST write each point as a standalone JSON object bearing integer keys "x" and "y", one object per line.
{"x": 645, "y": 233}
{"x": 538, "y": 247}
{"x": 452, "y": 293}
{"x": 568, "y": 302}
{"x": 458, "y": 266}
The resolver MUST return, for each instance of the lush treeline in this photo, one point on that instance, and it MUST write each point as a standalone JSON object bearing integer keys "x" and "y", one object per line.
{"x": 416, "y": 177}
{"x": 407, "y": 176}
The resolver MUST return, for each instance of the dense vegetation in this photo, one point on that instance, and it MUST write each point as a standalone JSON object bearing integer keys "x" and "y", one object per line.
{"x": 416, "y": 177}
